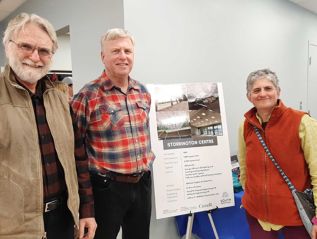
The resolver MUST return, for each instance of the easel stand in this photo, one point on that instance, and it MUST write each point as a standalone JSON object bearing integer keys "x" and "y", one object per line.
{"x": 189, "y": 225}
{"x": 190, "y": 222}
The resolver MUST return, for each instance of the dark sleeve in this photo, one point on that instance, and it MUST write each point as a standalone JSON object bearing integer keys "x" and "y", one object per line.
{"x": 86, "y": 208}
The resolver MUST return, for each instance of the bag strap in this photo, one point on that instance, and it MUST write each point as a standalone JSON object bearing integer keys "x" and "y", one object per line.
{"x": 276, "y": 164}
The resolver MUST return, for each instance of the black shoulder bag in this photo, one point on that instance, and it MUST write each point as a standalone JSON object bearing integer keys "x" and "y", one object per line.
{"x": 304, "y": 200}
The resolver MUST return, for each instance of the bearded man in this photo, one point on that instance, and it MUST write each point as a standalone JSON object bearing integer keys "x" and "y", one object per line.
{"x": 39, "y": 148}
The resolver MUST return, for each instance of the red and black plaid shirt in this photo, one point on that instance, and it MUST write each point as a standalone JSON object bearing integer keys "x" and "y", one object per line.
{"x": 53, "y": 174}
{"x": 115, "y": 126}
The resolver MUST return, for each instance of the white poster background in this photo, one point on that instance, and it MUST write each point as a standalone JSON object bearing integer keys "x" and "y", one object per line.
{"x": 191, "y": 174}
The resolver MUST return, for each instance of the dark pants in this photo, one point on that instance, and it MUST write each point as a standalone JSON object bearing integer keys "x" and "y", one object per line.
{"x": 122, "y": 204}
{"x": 287, "y": 232}
{"x": 59, "y": 223}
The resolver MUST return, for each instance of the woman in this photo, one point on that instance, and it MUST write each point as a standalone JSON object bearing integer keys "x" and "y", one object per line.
{"x": 291, "y": 136}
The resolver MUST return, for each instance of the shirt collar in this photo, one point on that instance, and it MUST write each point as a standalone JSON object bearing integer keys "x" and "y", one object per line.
{"x": 108, "y": 84}
{"x": 39, "y": 90}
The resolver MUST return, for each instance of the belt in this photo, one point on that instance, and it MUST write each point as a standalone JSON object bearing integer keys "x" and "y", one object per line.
{"x": 54, "y": 204}
{"x": 123, "y": 178}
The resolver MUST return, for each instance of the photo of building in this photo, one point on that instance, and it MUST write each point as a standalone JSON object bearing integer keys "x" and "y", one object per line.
{"x": 188, "y": 111}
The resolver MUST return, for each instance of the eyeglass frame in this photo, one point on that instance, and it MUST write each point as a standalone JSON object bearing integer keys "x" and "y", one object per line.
{"x": 29, "y": 49}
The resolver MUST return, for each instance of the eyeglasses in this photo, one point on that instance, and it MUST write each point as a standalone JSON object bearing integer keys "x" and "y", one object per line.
{"x": 29, "y": 49}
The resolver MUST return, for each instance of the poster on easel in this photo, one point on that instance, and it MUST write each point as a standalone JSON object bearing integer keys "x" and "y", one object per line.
{"x": 189, "y": 136}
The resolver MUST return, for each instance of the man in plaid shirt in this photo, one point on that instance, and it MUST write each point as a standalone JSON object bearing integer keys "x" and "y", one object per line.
{"x": 112, "y": 115}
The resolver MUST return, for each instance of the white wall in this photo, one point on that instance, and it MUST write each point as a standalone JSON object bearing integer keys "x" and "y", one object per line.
{"x": 2, "y": 54}
{"x": 62, "y": 58}
{"x": 222, "y": 41}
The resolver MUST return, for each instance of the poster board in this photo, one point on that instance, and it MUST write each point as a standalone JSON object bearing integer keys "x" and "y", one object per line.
{"x": 189, "y": 136}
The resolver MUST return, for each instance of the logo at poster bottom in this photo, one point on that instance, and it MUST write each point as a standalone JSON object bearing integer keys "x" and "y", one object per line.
{"x": 205, "y": 205}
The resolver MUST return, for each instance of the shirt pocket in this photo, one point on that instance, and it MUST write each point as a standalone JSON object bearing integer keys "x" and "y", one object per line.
{"x": 118, "y": 117}
{"x": 142, "y": 110}
{"x": 106, "y": 117}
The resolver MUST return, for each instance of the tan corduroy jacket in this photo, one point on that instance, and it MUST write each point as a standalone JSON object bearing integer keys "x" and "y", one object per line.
{"x": 21, "y": 182}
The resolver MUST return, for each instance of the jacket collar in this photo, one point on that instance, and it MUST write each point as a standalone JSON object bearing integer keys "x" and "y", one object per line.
{"x": 45, "y": 81}
{"x": 277, "y": 112}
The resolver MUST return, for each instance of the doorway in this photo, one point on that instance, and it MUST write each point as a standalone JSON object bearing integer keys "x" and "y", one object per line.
{"x": 312, "y": 80}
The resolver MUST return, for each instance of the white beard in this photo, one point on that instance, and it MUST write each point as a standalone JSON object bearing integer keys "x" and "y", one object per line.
{"x": 27, "y": 70}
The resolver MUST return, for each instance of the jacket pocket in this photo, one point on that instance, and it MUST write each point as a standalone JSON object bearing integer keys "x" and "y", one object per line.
{"x": 11, "y": 206}
{"x": 4, "y": 133}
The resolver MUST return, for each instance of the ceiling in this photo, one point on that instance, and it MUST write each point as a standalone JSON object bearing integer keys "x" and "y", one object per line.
{"x": 9, "y": 6}
{"x": 310, "y": 5}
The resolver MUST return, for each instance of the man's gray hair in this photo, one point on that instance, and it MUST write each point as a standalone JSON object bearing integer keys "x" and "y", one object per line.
{"x": 19, "y": 22}
{"x": 114, "y": 34}
{"x": 267, "y": 73}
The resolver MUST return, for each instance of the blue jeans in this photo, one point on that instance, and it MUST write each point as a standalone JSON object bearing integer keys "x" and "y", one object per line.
{"x": 122, "y": 204}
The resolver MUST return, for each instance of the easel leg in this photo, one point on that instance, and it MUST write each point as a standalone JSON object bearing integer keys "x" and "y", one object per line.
{"x": 189, "y": 226}
{"x": 213, "y": 225}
